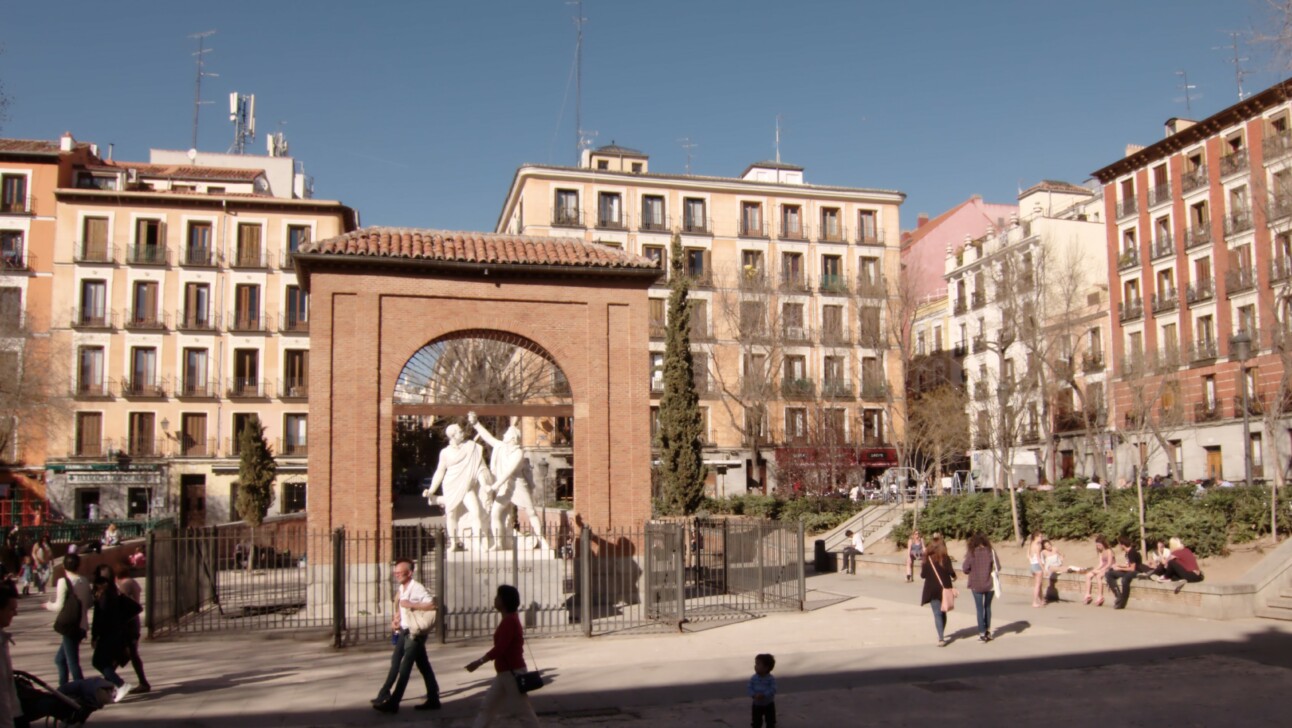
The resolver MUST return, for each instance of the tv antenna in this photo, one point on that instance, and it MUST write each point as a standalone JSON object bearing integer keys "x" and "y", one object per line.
{"x": 242, "y": 112}
{"x": 1239, "y": 72}
{"x": 1186, "y": 87}
{"x": 578, "y": 80}
{"x": 778, "y": 138}
{"x": 276, "y": 142}
{"x": 688, "y": 145}
{"x": 202, "y": 50}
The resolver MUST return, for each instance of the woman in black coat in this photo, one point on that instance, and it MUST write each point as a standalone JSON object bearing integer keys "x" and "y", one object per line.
{"x": 110, "y": 632}
{"x": 938, "y": 574}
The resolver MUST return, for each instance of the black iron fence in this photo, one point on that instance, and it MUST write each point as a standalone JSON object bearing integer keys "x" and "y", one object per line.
{"x": 656, "y": 578}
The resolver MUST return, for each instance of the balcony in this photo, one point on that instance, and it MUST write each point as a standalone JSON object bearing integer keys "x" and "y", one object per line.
{"x": 1127, "y": 206}
{"x": 1130, "y": 310}
{"x": 1163, "y": 246}
{"x": 246, "y": 322}
{"x": 1166, "y": 301}
{"x": 249, "y": 259}
{"x": 25, "y": 205}
{"x": 874, "y": 390}
{"x": 286, "y": 261}
{"x": 198, "y": 256}
{"x": 652, "y": 223}
{"x": 753, "y": 229}
{"x": 146, "y": 321}
{"x": 147, "y": 255}
{"x": 1280, "y": 269}
{"x": 1276, "y": 144}
{"x": 15, "y": 259}
{"x": 143, "y": 388}
{"x": 961, "y": 307}
{"x": 836, "y": 389}
{"x": 245, "y": 388}
{"x": 978, "y": 300}
{"x": 1167, "y": 358}
{"x": 980, "y": 392}
{"x": 1255, "y": 405}
{"x": 1159, "y": 194}
{"x": 83, "y": 318}
{"x": 979, "y": 344}
{"x": 1239, "y": 280}
{"x": 752, "y": 279}
{"x": 1206, "y": 412}
{"x": 289, "y": 448}
{"x": 1200, "y": 351}
{"x": 835, "y": 336}
{"x": 833, "y": 284}
{"x": 1133, "y": 364}
{"x": 959, "y": 349}
{"x": 1200, "y": 291}
{"x": 293, "y": 388}
{"x": 293, "y": 323}
{"x": 91, "y": 390}
{"x": 1239, "y": 221}
{"x": 146, "y": 448}
{"x": 798, "y": 389}
{"x": 872, "y": 287}
{"x": 87, "y": 448}
{"x": 870, "y": 237}
{"x": 95, "y": 253}
{"x": 832, "y": 233}
{"x": 1128, "y": 259}
{"x": 1194, "y": 178}
{"x": 793, "y": 283}
{"x": 198, "y": 321}
{"x": 567, "y": 217}
{"x": 700, "y": 330}
{"x": 1198, "y": 236}
{"x": 1092, "y": 362}
{"x": 755, "y": 387}
{"x": 793, "y": 231}
{"x": 696, "y": 225}
{"x": 199, "y": 389}
{"x": 611, "y": 221}
{"x": 700, "y": 278}
{"x": 1233, "y": 163}
{"x": 1030, "y": 435}
{"x": 795, "y": 334}
{"x": 197, "y": 447}
{"x": 1280, "y": 206}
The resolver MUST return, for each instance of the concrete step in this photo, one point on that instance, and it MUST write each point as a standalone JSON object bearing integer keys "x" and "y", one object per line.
{"x": 1284, "y": 615}
{"x": 1280, "y": 602}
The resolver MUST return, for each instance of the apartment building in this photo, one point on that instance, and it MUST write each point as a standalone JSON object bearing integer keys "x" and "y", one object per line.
{"x": 1199, "y": 245}
{"x": 176, "y": 308}
{"x": 788, "y": 282}
{"x": 1025, "y": 310}
{"x": 30, "y": 171}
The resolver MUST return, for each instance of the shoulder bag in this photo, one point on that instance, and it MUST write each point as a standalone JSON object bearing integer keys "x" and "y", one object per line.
{"x": 949, "y": 594}
{"x": 420, "y": 621}
{"x": 995, "y": 573}
{"x": 530, "y": 680}
{"x": 68, "y": 621}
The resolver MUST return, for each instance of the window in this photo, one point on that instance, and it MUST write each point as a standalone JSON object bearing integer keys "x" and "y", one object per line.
{"x": 694, "y": 215}
{"x": 872, "y": 427}
{"x": 1170, "y": 344}
{"x": 195, "y": 373}
{"x": 294, "y": 442}
{"x": 246, "y": 373}
{"x": 144, "y": 305}
{"x": 756, "y": 374}
{"x": 142, "y": 442}
{"x": 246, "y": 315}
{"x": 832, "y": 274}
{"x": 697, "y": 265}
{"x": 653, "y": 213}
{"x": 240, "y": 422}
{"x": 1130, "y": 291}
{"x": 89, "y": 434}
{"x": 150, "y": 247}
{"x": 193, "y": 435}
{"x": 1209, "y": 391}
{"x": 1135, "y": 346}
{"x": 94, "y": 296}
{"x": 868, "y": 270}
{"x": 792, "y": 222}
{"x": 831, "y": 226}
{"x": 755, "y": 424}
{"x": 297, "y": 235}
{"x": 834, "y": 382}
{"x": 13, "y": 256}
{"x": 655, "y": 317}
{"x": 1247, "y": 323}
{"x": 197, "y": 306}
{"x": 656, "y": 372}
{"x": 637, "y": 167}
{"x": 1166, "y": 282}
{"x": 94, "y": 240}
{"x": 250, "y": 254}
{"x": 751, "y": 219}
{"x": 567, "y": 208}
{"x": 89, "y": 374}
{"x": 603, "y": 164}
{"x": 1206, "y": 330}
{"x": 1199, "y": 219}
{"x": 753, "y": 316}
{"x": 792, "y": 322}
{"x": 197, "y": 245}
{"x": 296, "y": 373}
{"x": 13, "y": 193}
{"x": 868, "y": 320}
{"x": 751, "y": 266}
{"x": 610, "y": 212}
{"x": 293, "y": 498}
{"x": 867, "y": 231}
{"x": 654, "y": 425}
{"x": 655, "y": 253}
{"x": 795, "y": 424}
{"x": 700, "y": 372}
{"x": 137, "y": 500}
{"x": 143, "y": 371}
{"x": 296, "y": 310}
{"x": 832, "y": 323}
{"x": 699, "y": 319}
{"x": 1257, "y": 455}
{"x": 90, "y": 181}
{"x": 792, "y": 271}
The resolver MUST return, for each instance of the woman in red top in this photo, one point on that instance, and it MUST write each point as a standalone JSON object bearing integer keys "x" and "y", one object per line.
{"x": 1181, "y": 565}
{"x": 508, "y": 655}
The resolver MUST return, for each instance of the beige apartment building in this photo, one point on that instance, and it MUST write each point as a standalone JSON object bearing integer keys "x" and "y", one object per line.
{"x": 789, "y": 282}
{"x": 176, "y": 307}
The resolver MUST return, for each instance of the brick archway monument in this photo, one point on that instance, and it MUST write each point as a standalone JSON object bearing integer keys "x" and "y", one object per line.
{"x": 379, "y": 295}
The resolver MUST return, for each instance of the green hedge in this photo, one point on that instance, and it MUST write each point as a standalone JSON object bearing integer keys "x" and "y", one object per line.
{"x": 817, "y": 513}
{"x": 1206, "y": 524}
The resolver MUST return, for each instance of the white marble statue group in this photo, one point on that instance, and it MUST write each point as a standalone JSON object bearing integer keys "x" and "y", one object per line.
{"x": 489, "y": 495}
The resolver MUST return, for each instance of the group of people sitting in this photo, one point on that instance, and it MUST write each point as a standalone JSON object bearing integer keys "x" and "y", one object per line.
{"x": 1169, "y": 562}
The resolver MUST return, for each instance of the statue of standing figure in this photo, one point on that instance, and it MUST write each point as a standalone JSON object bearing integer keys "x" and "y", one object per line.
{"x": 512, "y": 484}
{"x": 462, "y": 472}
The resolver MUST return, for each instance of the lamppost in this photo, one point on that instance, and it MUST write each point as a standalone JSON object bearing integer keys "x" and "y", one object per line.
{"x": 1240, "y": 347}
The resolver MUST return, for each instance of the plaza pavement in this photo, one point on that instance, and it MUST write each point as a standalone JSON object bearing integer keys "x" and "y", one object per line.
{"x": 864, "y": 654}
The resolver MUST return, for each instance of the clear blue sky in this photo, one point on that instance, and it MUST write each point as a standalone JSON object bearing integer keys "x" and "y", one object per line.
{"x": 418, "y": 113}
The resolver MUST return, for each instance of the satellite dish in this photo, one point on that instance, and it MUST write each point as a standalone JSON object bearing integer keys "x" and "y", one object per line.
{"x": 192, "y": 155}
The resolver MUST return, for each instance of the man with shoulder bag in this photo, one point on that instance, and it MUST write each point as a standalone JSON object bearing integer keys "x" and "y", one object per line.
{"x": 414, "y": 620}
{"x": 72, "y": 606}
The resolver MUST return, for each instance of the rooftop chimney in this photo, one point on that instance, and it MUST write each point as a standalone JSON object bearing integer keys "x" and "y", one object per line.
{"x": 1132, "y": 148}
{"x": 66, "y": 142}
{"x": 1175, "y": 125}
{"x": 921, "y": 220}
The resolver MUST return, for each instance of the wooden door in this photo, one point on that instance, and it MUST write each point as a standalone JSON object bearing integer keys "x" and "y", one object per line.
{"x": 192, "y": 501}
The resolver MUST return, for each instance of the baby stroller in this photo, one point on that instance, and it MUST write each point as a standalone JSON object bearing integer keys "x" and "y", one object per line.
{"x": 70, "y": 705}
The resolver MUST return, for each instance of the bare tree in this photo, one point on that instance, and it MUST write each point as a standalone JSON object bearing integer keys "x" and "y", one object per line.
{"x": 937, "y": 430}
{"x": 886, "y": 322}
{"x": 32, "y": 376}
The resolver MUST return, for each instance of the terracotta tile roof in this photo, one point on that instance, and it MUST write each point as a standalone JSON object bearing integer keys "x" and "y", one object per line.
{"x": 615, "y": 149}
{"x": 173, "y": 171}
{"x": 475, "y": 247}
{"x": 35, "y": 146}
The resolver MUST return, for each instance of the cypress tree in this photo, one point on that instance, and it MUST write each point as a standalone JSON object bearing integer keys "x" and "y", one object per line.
{"x": 682, "y": 469}
{"x": 256, "y": 472}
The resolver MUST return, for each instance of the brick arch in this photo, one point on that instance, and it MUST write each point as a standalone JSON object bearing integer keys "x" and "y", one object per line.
{"x": 534, "y": 375}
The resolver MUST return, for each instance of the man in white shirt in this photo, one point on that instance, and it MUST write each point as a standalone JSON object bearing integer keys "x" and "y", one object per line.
{"x": 856, "y": 545}
{"x": 410, "y": 649}
{"x": 68, "y": 657}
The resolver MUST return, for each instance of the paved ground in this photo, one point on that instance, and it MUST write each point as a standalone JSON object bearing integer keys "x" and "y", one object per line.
{"x": 868, "y": 653}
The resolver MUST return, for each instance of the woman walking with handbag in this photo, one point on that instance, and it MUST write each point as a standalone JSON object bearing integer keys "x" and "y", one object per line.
{"x": 508, "y": 655}
{"x": 939, "y": 579}
{"x": 980, "y": 563}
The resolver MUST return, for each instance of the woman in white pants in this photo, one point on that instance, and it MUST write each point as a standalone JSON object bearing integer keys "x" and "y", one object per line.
{"x": 508, "y": 655}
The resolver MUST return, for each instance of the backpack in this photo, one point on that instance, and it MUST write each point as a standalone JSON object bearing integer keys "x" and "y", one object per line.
{"x": 68, "y": 621}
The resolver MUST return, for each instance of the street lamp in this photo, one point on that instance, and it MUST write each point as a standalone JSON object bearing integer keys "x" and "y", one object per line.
{"x": 1240, "y": 347}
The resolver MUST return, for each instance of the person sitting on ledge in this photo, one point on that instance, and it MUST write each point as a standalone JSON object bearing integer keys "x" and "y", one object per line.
{"x": 1181, "y": 564}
